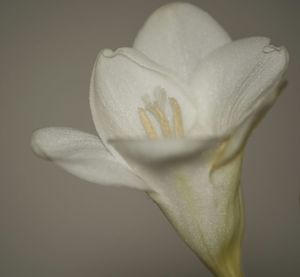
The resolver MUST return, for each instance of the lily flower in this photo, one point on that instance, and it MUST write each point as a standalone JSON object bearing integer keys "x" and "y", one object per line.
{"x": 173, "y": 114}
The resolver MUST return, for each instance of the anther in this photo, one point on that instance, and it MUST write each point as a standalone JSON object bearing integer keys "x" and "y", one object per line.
{"x": 147, "y": 124}
{"x": 157, "y": 109}
{"x": 162, "y": 119}
{"x": 177, "y": 117}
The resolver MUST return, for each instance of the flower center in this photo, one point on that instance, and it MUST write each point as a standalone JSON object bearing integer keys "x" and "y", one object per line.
{"x": 157, "y": 109}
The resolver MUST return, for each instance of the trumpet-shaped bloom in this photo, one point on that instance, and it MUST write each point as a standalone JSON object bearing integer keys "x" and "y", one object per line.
{"x": 173, "y": 114}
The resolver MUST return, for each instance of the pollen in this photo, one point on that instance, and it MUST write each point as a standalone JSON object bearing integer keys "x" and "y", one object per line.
{"x": 156, "y": 110}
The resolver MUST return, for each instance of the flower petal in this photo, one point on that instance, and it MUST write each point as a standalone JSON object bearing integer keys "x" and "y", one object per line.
{"x": 178, "y": 36}
{"x": 163, "y": 150}
{"x": 84, "y": 156}
{"x": 235, "y": 80}
{"x": 238, "y": 135}
{"x": 205, "y": 209}
{"x": 119, "y": 82}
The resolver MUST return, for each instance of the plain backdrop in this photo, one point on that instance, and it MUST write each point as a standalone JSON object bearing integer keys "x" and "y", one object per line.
{"x": 53, "y": 224}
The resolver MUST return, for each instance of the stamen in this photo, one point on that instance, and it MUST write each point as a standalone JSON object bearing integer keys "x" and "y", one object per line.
{"x": 157, "y": 108}
{"x": 162, "y": 119}
{"x": 160, "y": 95}
{"x": 177, "y": 117}
{"x": 147, "y": 124}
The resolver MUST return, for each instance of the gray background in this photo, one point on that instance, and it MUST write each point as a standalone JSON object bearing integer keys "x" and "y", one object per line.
{"x": 53, "y": 224}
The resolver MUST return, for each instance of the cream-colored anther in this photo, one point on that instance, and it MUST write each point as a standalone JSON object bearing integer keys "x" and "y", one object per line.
{"x": 177, "y": 117}
{"x": 157, "y": 109}
{"x": 162, "y": 119}
{"x": 147, "y": 124}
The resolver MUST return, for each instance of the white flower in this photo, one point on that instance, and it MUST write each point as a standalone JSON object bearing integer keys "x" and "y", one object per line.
{"x": 173, "y": 114}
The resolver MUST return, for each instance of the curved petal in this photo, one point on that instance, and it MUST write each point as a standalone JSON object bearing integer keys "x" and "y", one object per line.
{"x": 238, "y": 135}
{"x": 163, "y": 150}
{"x": 204, "y": 209}
{"x": 120, "y": 82}
{"x": 178, "y": 36}
{"x": 84, "y": 156}
{"x": 235, "y": 80}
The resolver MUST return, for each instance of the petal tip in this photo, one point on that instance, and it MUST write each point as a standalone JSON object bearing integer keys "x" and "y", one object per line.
{"x": 38, "y": 141}
{"x": 108, "y": 53}
{"x": 271, "y": 48}
{"x": 175, "y": 6}
{"x": 279, "y": 54}
{"x": 47, "y": 143}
